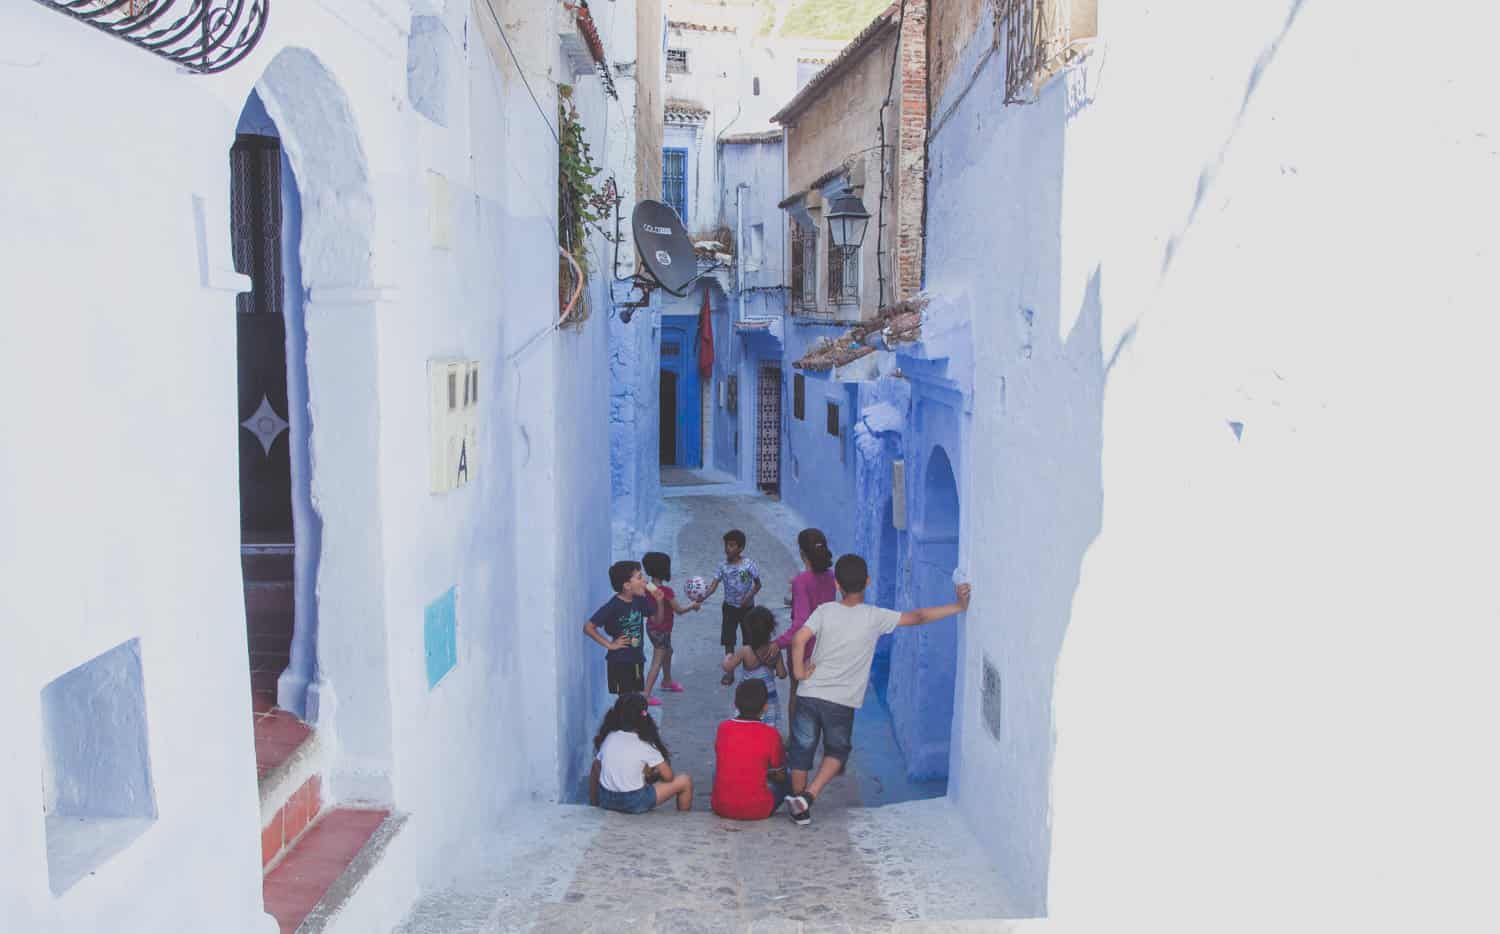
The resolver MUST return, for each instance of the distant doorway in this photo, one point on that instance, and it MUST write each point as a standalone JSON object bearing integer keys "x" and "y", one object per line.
{"x": 681, "y": 428}
{"x": 668, "y": 418}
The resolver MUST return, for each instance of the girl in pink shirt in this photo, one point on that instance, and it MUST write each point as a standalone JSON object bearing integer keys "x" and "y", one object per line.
{"x": 810, "y": 590}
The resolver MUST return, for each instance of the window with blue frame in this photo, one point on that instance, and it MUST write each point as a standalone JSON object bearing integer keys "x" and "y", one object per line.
{"x": 674, "y": 180}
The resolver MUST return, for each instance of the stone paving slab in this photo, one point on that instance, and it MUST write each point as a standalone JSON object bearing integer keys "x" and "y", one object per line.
{"x": 909, "y": 867}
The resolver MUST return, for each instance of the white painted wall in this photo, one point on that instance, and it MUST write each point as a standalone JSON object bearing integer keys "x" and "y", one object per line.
{"x": 119, "y": 491}
{"x": 1275, "y": 686}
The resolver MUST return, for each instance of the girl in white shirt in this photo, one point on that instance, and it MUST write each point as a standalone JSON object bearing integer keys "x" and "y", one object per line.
{"x": 631, "y": 772}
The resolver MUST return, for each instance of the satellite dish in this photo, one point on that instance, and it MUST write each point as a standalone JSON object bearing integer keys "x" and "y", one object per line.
{"x": 662, "y": 241}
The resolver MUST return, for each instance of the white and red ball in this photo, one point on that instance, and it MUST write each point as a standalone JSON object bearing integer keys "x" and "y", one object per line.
{"x": 696, "y": 589}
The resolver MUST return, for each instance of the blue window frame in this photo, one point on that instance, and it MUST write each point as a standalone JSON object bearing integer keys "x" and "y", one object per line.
{"x": 674, "y": 180}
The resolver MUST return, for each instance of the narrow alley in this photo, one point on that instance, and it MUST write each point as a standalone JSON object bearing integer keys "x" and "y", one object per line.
{"x": 881, "y": 855}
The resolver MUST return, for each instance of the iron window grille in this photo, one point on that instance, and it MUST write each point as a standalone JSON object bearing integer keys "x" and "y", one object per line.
{"x": 1039, "y": 38}
{"x": 833, "y": 419}
{"x": 674, "y": 180}
{"x": 843, "y": 274}
{"x": 804, "y": 272}
{"x": 677, "y": 61}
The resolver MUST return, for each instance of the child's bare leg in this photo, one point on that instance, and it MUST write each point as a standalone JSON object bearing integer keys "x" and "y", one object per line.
{"x": 666, "y": 666}
{"x": 827, "y": 769}
{"x": 799, "y": 781}
{"x": 656, "y": 663}
{"x": 680, "y": 787}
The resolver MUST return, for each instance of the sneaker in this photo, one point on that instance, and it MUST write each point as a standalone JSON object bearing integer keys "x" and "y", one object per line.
{"x": 674, "y": 687}
{"x": 653, "y": 700}
{"x": 799, "y": 809}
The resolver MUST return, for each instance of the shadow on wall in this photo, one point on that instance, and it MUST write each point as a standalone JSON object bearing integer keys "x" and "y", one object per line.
{"x": 1033, "y": 492}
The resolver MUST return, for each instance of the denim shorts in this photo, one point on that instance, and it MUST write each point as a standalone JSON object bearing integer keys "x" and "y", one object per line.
{"x": 640, "y": 801}
{"x": 661, "y": 639}
{"x": 816, "y": 718}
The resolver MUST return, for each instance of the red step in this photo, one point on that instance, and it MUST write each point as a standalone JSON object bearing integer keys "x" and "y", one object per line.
{"x": 307, "y": 871}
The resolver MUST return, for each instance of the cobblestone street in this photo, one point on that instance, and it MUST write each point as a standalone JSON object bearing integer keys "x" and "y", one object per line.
{"x": 881, "y": 854}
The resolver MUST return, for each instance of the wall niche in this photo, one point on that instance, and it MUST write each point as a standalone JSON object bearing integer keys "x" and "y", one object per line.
{"x": 97, "y": 794}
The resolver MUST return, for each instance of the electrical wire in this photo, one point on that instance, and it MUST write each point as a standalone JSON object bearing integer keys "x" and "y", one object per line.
{"x": 522, "y": 72}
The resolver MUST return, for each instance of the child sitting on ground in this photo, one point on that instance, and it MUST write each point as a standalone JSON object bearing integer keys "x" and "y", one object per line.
{"x": 759, "y": 660}
{"x": 749, "y": 778}
{"x": 658, "y": 567}
{"x": 631, "y": 772}
{"x": 741, "y": 579}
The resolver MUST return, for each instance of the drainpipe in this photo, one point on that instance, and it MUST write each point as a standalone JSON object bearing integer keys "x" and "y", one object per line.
{"x": 739, "y": 248}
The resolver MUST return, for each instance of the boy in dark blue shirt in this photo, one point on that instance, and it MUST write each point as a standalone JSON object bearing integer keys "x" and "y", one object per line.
{"x": 623, "y": 620}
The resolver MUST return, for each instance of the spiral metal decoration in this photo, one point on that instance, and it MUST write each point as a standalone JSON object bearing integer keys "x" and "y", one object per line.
{"x": 203, "y": 36}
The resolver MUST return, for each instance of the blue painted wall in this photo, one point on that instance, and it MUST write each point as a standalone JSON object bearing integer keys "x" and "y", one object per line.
{"x": 817, "y": 470}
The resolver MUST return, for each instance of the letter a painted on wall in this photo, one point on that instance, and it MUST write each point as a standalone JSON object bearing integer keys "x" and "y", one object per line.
{"x": 705, "y": 339}
{"x": 463, "y": 462}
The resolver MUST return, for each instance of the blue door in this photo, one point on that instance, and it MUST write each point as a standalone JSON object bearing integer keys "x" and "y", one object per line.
{"x": 681, "y": 428}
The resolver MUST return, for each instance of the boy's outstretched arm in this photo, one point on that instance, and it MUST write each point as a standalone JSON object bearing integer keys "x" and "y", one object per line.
{"x": 931, "y": 614}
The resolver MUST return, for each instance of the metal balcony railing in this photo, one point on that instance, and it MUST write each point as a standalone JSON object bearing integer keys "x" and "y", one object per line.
{"x": 203, "y": 36}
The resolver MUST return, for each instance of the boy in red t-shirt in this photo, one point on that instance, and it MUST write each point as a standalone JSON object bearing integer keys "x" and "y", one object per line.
{"x": 749, "y": 776}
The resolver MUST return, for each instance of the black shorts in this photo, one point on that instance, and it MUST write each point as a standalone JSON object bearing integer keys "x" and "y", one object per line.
{"x": 660, "y": 640}
{"x": 625, "y": 677}
{"x": 732, "y": 626}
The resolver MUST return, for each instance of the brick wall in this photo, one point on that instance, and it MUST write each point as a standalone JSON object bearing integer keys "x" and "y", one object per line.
{"x": 911, "y": 150}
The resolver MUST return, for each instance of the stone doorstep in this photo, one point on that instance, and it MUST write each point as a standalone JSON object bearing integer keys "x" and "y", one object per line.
{"x": 291, "y": 797}
{"x": 319, "y": 874}
{"x": 289, "y": 822}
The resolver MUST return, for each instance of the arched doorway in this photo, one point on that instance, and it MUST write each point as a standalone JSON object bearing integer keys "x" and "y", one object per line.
{"x": 327, "y": 304}
{"x": 924, "y": 659}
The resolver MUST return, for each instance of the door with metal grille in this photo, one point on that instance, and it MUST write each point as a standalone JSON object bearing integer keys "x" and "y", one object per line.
{"x": 768, "y": 430}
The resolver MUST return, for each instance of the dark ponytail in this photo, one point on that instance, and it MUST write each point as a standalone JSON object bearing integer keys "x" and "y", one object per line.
{"x": 814, "y": 547}
{"x": 629, "y": 714}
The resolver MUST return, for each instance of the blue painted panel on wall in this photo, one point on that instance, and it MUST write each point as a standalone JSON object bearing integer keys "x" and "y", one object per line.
{"x": 440, "y": 636}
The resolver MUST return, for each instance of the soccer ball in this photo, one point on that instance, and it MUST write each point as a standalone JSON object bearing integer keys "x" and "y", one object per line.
{"x": 696, "y": 589}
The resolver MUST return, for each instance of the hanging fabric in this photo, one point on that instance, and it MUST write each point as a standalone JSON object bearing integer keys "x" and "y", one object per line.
{"x": 705, "y": 338}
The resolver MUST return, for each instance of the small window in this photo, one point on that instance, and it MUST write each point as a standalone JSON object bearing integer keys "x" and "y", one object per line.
{"x": 804, "y": 271}
{"x": 677, "y": 62}
{"x": 755, "y": 87}
{"x": 833, "y": 419}
{"x": 799, "y": 397}
{"x": 674, "y": 180}
{"x": 843, "y": 274}
{"x": 733, "y": 393}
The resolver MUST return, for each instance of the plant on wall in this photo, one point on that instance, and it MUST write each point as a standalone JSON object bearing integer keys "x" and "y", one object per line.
{"x": 580, "y": 202}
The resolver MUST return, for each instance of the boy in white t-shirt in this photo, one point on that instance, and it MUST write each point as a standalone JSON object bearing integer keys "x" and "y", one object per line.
{"x": 832, "y": 685}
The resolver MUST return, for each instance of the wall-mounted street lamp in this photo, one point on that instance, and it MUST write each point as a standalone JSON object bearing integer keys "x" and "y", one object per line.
{"x": 847, "y": 221}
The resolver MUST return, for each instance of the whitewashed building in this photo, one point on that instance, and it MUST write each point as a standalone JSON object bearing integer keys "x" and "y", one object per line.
{"x": 289, "y": 336}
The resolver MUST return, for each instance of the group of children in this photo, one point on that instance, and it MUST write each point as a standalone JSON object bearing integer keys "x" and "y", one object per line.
{"x": 827, "y": 650}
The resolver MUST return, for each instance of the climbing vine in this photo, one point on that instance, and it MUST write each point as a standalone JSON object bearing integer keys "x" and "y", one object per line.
{"x": 580, "y": 200}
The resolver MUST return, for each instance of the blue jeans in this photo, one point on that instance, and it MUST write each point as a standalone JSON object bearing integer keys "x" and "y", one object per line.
{"x": 817, "y": 718}
{"x": 639, "y": 801}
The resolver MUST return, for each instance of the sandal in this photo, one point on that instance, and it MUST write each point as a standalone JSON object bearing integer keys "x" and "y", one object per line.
{"x": 674, "y": 687}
